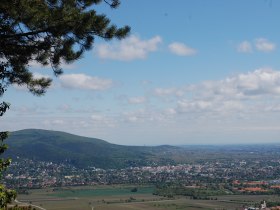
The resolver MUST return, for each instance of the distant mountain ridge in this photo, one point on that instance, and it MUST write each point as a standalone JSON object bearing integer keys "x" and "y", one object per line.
{"x": 56, "y": 146}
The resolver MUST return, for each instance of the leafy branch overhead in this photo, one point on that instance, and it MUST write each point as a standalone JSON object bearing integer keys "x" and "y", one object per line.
{"x": 49, "y": 32}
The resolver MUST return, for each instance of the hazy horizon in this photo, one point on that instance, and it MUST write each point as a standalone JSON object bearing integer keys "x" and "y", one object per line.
{"x": 177, "y": 145}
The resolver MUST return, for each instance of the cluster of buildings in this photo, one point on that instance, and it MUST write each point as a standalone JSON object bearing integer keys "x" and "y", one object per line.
{"x": 263, "y": 206}
{"x": 235, "y": 175}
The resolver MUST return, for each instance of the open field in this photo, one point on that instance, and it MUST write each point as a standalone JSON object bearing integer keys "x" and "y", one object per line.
{"x": 120, "y": 197}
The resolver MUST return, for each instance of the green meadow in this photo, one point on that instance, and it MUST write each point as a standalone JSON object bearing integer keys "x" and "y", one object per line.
{"x": 104, "y": 191}
{"x": 121, "y": 197}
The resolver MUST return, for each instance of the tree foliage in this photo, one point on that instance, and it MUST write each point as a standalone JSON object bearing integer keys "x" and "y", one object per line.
{"x": 48, "y": 32}
{"x": 5, "y": 195}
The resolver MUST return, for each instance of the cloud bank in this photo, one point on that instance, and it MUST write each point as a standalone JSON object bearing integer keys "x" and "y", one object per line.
{"x": 85, "y": 82}
{"x": 129, "y": 49}
{"x": 259, "y": 44}
{"x": 181, "y": 49}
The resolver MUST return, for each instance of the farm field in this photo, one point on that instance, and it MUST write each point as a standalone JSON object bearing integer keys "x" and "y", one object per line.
{"x": 120, "y": 197}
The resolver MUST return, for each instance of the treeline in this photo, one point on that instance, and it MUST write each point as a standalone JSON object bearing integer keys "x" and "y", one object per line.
{"x": 272, "y": 203}
{"x": 170, "y": 191}
{"x": 16, "y": 207}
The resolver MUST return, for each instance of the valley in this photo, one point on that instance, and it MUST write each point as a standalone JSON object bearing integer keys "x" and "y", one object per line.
{"x": 158, "y": 177}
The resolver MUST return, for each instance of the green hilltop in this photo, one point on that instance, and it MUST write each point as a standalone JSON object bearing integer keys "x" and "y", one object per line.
{"x": 61, "y": 147}
{"x": 83, "y": 152}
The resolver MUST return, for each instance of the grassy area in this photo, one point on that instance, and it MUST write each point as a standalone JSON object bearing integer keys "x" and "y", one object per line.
{"x": 120, "y": 197}
{"x": 113, "y": 191}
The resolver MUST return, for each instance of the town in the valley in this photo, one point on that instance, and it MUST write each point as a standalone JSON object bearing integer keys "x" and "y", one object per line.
{"x": 201, "y": 180}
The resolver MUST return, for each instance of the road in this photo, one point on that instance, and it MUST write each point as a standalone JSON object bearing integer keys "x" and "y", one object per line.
{"x": 28, "y": 204}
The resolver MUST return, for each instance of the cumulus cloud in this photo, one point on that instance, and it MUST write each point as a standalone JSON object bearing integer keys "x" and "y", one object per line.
{"x": 168, "y": 92}
{"x": 242, "y": 92}
{"x": 137, "y": 100}
{"x": 264, "y": 45}
{"x": 259, "y": 44}
{"x": 258, "y": 82}
{"x": 186, "y": 105}
{"x": 206, "y": 108}
{"x": 216, "y": 106}
{"x": 252, "y": 84}
{"x": 129, "y": 49}
{"x": 142, "y": 116}
{"x": 181, "y": 49}
{"x": 244, "y": 47}
{"x": 82, "y": 81}
{"x": 100, "y": 120}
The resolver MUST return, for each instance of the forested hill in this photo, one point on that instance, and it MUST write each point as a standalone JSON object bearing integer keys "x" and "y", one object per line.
{"x": 83, "y": 152}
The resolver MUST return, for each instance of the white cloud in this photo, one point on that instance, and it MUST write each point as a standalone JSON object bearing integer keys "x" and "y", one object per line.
{"x": 245, "y": 92}
{"x": 137, "y": 100}
{"x": 181, "y": 49}
{"x": 246, "y": 102}
{"x": 82, "y": 81}
{"x": 256, "y": 83}
{"x": 168, "y": 92}
{"x": 143, "y": 116}
{"x": 170, "y": 111}
{"x": 244, "y": 47}
{"x": 186, "y": 106}
{"x": 264, "y": 45}
{"x": 260, "y": 44}
{"x": 218, "y": 107}
{"x": 100, "y": 120}
{"x": 128, "y": 49}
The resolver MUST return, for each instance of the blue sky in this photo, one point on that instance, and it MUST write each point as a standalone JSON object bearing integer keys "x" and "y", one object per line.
{"x": 191, "y": 72}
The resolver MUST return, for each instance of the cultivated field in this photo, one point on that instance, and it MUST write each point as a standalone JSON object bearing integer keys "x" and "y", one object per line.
{"x": 120, "y": 197}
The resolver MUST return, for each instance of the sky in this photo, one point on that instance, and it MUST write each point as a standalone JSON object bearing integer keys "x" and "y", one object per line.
{"x": 191, "y": 72}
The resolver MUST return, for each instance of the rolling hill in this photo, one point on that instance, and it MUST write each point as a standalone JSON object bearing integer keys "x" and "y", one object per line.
{"x": 83, "y": 152}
